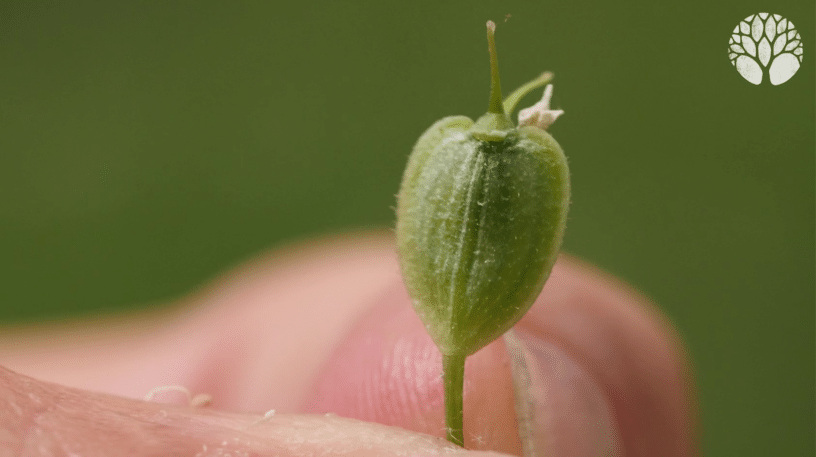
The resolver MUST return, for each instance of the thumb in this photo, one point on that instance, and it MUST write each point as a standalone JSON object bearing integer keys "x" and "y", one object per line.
{"x": 39, "y": 418}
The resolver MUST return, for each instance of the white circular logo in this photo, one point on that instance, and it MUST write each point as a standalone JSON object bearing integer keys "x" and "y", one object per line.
{"x": 765, "y": 43}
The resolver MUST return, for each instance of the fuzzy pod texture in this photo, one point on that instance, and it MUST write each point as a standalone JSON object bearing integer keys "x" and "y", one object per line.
{"x": 481, "y": 215}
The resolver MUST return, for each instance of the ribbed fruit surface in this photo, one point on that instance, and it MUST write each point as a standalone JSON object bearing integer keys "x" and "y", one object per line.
{"x": 479, "y": 227}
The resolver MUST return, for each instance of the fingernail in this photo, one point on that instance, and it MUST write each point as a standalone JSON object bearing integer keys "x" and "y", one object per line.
{"x": 561, "y": 410}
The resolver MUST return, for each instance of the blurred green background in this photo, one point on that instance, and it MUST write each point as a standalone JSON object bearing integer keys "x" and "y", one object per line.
{"x": 147, "y": 146}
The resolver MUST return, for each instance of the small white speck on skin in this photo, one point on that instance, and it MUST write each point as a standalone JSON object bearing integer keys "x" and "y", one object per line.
{"x": 161, "y": 389}
{"x": 194, "y": 401}
{"x": 267, "y": 415}
{"x": 201, "y": 400}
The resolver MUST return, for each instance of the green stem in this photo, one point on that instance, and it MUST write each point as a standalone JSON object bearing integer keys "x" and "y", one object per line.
{"x": 495, "y": 105}
{"x": 453, "y": 371}
{"x": 512, "y": 100}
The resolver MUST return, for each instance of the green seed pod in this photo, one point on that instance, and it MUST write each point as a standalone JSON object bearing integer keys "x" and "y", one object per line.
{"x": 481, "y": 214}
{"x": 480, "y": 218}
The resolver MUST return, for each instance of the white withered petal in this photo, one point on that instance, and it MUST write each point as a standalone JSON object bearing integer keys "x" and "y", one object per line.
{"x": 540, "y": 115}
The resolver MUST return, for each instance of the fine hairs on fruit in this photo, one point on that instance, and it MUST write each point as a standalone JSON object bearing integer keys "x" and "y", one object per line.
{"x": 481, "y": 214}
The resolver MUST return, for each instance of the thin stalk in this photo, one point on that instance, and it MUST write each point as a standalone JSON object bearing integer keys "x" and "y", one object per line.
{"x": 512, "y": 100}
{"x": 453, "y": 371}
{"x": 495, "y": 105}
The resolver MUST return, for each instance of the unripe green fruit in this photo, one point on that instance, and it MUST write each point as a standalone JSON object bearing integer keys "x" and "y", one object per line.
{"x": 479, "y": 226}
{"x": 480, "y": 219}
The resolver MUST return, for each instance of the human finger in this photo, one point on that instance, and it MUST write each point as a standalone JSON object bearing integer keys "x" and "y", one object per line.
{"x": 44, "y": 419}
{"x": 593, "y": 369}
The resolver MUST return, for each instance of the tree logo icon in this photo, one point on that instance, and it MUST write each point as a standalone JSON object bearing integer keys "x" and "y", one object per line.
{"x": 765, "y": 43}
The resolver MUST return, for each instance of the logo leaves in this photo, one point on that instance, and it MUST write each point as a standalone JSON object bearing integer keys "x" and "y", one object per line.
{"x": 765, "y": 43}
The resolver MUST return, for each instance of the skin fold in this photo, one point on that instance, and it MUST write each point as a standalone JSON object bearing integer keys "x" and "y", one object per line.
{"x": 276, "y": 333}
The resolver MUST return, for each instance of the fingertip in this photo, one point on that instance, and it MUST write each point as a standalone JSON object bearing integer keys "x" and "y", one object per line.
{"x": 602, "y": 354}
{"x": 389, "y": 371}
{"x": 629, "y": 347}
